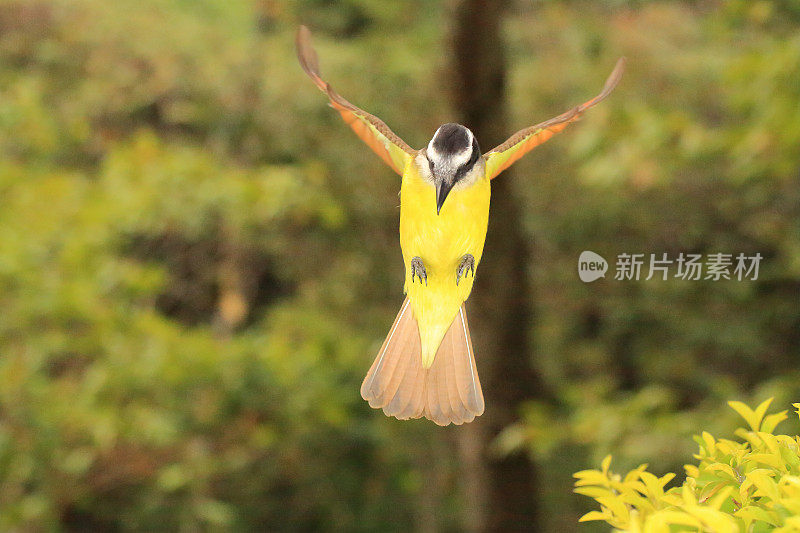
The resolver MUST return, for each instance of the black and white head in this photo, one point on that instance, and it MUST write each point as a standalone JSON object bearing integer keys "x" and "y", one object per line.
{"x": 454, "y": 159}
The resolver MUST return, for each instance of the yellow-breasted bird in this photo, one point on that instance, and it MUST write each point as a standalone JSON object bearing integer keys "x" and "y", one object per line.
{"x": 426, "y": 366}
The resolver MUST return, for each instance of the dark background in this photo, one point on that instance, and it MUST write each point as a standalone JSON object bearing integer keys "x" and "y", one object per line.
{"x": 198, "y": 260}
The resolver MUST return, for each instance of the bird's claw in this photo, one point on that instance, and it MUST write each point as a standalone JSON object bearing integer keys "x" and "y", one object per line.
{"x": 418, "y": 269}
{"x": 466, "y": 266}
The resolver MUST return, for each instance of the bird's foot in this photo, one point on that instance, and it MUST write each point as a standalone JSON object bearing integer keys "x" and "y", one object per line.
{"x": 418, "y": 269}
{"x": 466, "y": 266}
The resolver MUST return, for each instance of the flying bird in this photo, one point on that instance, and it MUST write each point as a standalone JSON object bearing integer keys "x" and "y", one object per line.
{"x": 426, "y": 366}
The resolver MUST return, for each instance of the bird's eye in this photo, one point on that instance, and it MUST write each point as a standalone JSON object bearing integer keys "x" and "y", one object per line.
{"x": 430, "y": 164}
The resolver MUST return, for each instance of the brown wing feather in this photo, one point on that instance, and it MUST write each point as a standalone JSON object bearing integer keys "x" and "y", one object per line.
{"x": 525, "y": 140}
{"x": 449, "y": 392}
{"x": 453, "y": 390}
{"x": 468, "y": 384}
{"x": 369, "y": 128}
{"x": 386, "y": 372}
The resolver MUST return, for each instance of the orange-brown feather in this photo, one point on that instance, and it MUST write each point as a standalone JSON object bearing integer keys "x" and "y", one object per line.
{"x": 369, "y": 128}
{"x": 449, "y": 392}
{"x": 503, "y": 156}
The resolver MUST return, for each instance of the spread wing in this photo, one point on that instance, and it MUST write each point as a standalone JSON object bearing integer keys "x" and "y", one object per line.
{"x": 501, "y": 157}
{"x": 370, "y": 129}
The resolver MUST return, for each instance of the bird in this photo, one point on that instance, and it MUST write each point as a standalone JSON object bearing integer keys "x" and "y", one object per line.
{"x": 426, "y": 365}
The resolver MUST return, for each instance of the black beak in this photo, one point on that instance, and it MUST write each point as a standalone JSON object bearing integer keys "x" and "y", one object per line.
{"x": 442, "y": 190}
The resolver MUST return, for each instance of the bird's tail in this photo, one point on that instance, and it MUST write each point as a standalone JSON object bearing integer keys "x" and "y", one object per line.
{"x": 447, "y": 392}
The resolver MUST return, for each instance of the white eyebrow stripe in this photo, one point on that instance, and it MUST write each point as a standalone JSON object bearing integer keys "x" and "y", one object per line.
{"x": 448, "y": 162}
{"x": 461, "y": 157}
{"x": 430, "y": 143}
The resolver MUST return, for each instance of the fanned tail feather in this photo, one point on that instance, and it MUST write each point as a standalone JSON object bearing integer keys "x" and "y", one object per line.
{"x": 449, "y": 392}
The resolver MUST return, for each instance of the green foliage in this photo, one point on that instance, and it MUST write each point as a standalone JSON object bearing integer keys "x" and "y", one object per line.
{"x": 198, "y": 259}
{"x": 695, "y": 151}
{"x": 178, "y": 349}
{"x": 749, "y": 485}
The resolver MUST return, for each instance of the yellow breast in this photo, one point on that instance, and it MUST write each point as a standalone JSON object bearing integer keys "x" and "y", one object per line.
{"x": 441, "y": 241}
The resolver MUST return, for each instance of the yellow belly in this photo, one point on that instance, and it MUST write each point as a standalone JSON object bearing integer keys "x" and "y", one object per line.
{"x": 441, "y": 241}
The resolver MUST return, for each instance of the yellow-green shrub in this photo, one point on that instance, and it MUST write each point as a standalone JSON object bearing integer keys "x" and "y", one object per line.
{"x": 750, "y": 485}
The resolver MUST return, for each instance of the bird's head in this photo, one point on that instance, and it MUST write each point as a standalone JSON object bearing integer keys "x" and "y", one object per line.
{"x": 452, "y": 156}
